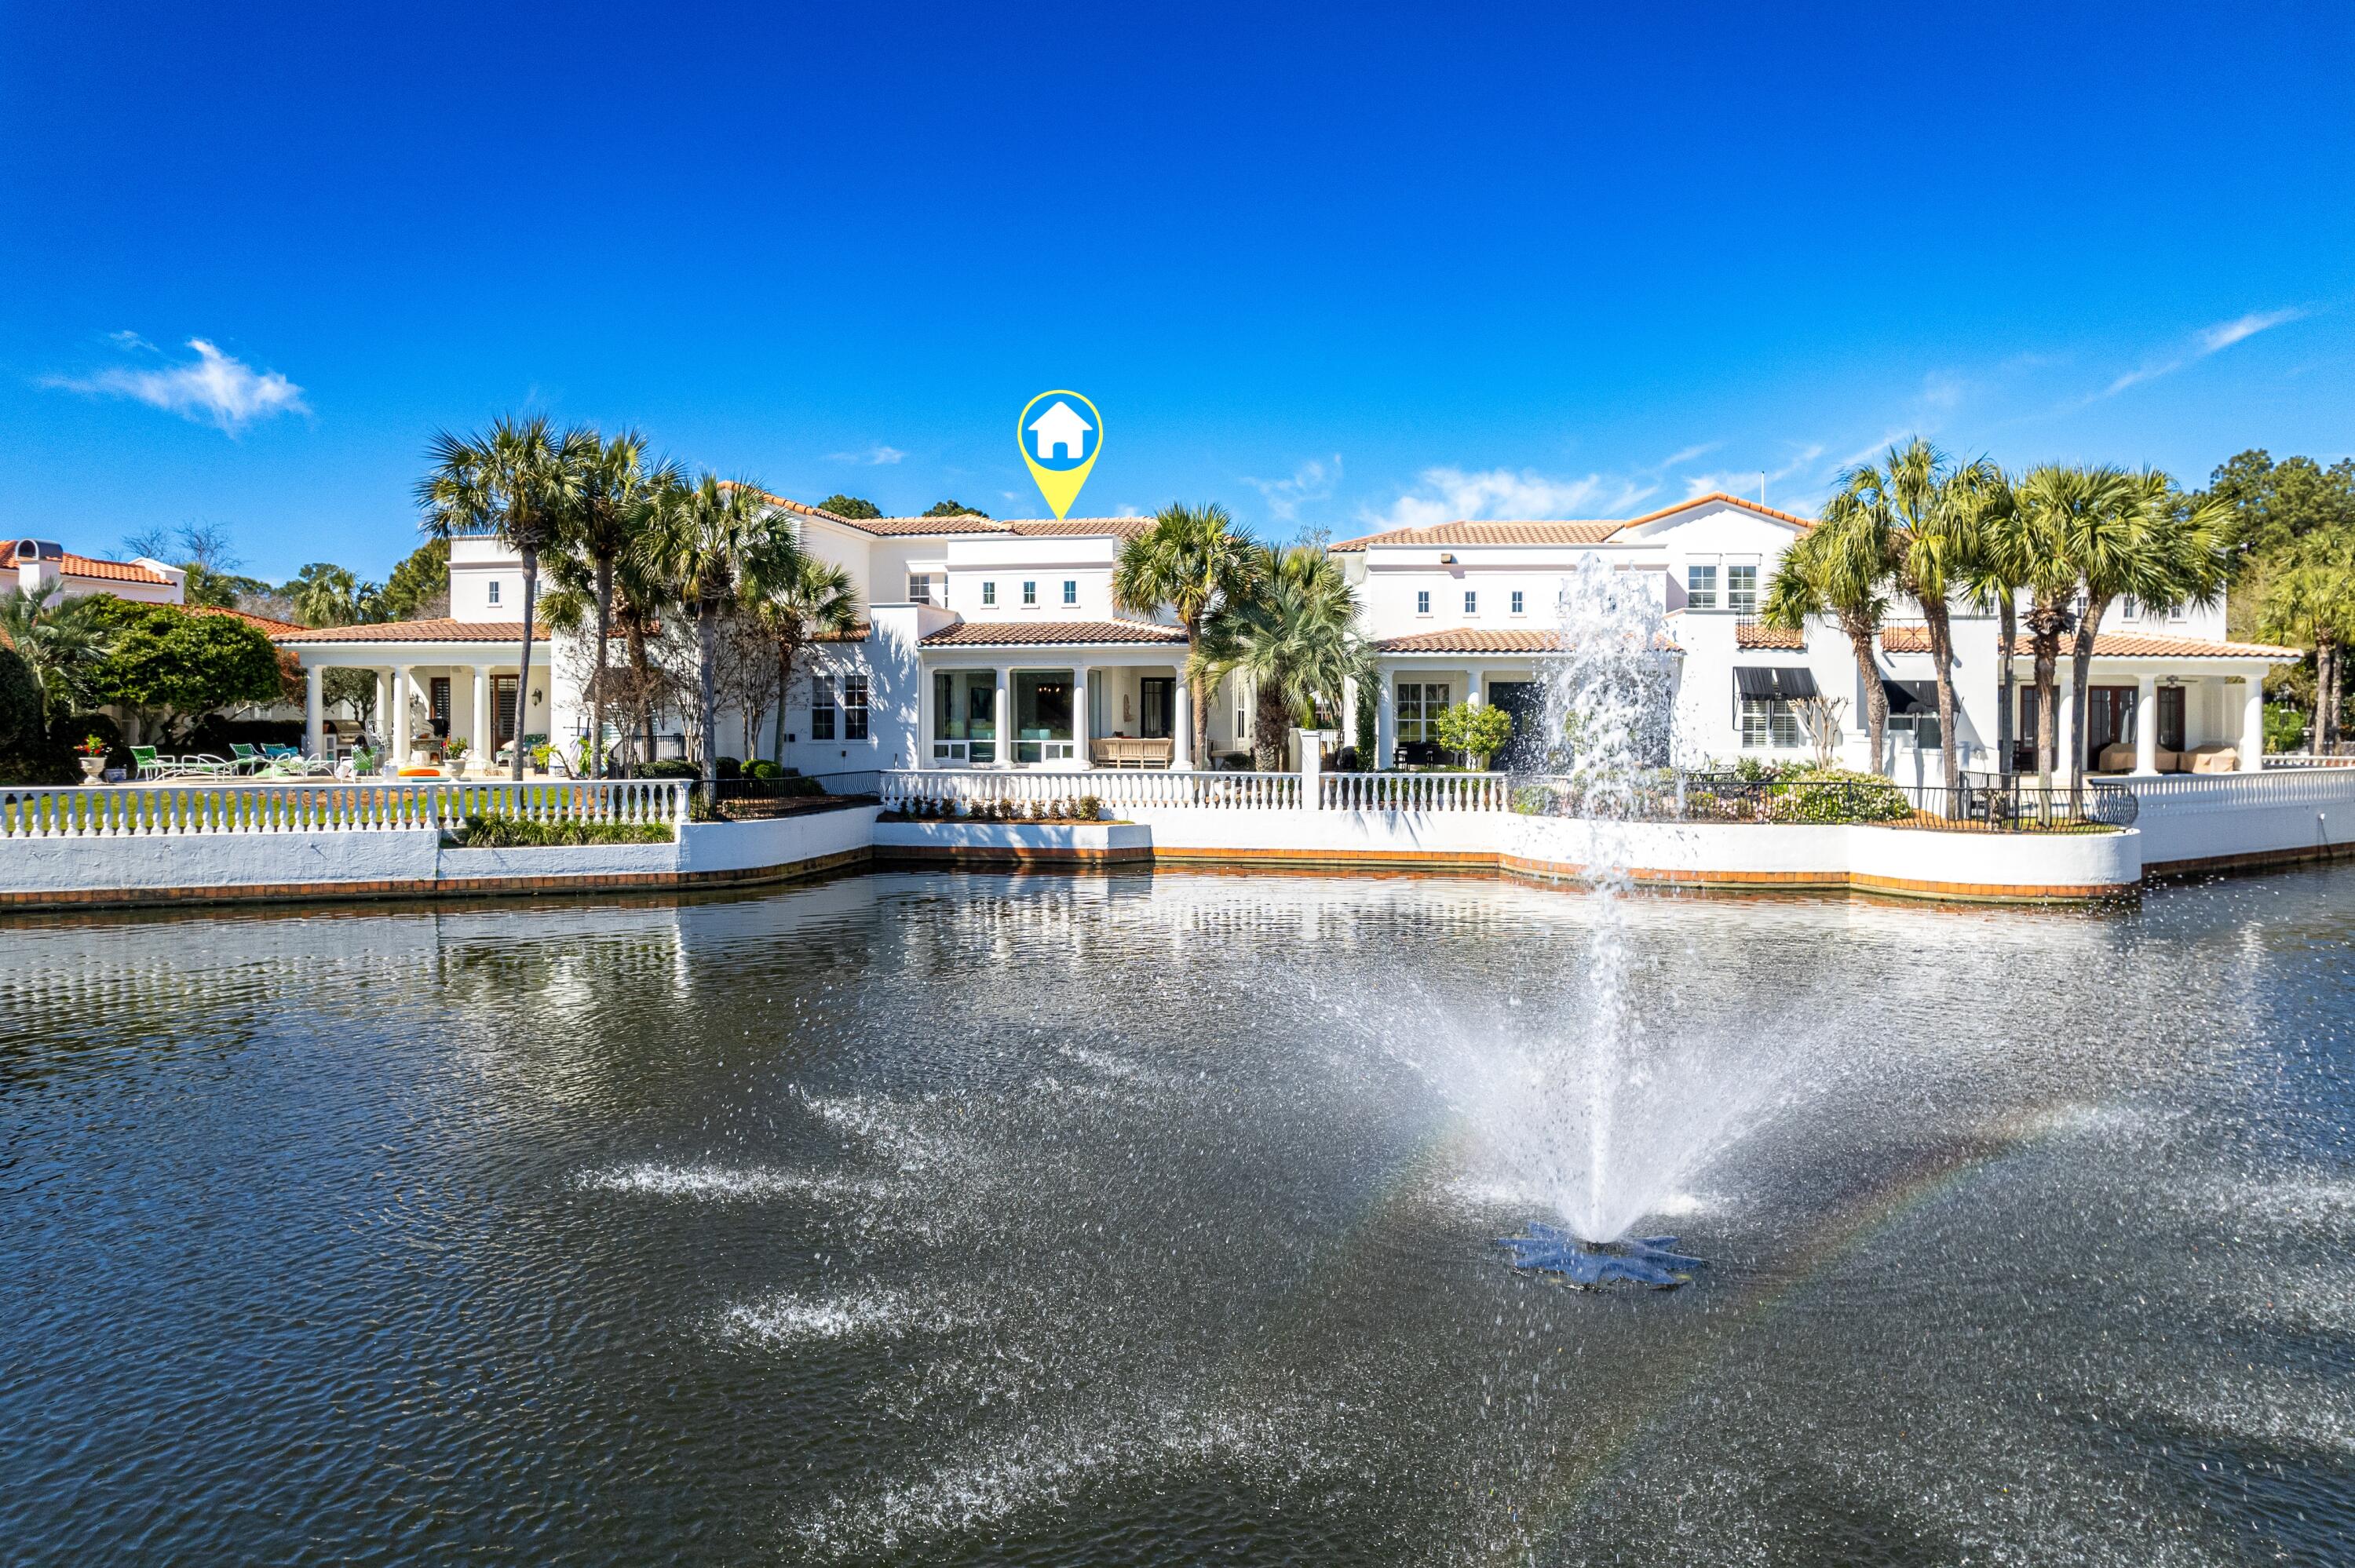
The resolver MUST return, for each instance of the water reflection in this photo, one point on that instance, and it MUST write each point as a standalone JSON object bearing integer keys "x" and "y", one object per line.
{"x": 1041, "y": 1220}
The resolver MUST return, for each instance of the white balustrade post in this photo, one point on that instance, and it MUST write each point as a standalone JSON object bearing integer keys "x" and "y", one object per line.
{"x": 1312, "y": 769}
{"x": 2253, "y": 727}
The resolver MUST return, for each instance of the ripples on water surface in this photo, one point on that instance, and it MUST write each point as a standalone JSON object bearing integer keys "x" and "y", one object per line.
{"x": 1045, "y": 1221}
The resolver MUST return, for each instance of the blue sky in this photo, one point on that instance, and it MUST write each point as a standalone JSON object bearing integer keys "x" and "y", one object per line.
{"x": 1336, "y": 270}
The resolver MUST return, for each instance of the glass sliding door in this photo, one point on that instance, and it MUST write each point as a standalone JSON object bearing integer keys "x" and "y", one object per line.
{"x": 1157, "y": 701}
{"x": 1042, "y": 715}
{"x": 964, "y": 716}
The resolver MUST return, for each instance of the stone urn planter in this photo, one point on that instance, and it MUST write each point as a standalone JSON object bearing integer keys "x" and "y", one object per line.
{"x": 93, "y": 767}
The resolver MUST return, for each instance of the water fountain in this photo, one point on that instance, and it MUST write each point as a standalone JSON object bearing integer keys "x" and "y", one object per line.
{"x": 1610, "y": 1145}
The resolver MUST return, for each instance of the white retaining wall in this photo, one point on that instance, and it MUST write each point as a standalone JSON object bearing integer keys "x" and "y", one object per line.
{"x": 2231, "y": 816}
{"x": 64, "y": 865}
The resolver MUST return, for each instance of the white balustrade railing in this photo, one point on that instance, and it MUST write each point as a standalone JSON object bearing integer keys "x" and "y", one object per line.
{"x": 1417, "y": 791}
{"x": 1147, "y": 788}
{"x": 133, "y": 810}
{"x": 2242, "y": 791}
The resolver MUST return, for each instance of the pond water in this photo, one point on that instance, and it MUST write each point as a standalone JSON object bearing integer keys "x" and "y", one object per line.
{"x": 990, "y": 1220}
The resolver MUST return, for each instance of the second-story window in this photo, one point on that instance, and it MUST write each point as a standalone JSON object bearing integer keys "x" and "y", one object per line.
{"x": 920, "y": 589}
{"x": 1742, "y": 589}
{"x": 1423, "y": 601}
{"x": 1029, "y": 593}
{"x": 1518, "y": 605}
{"x": 1471, "y": 602}
{"x": 854, "y": 707}
{"x": 1070, "y": 591}
{"x": 2129, "y": 608}
{"x": 821, "y": 706}
{"x": 1700, "y": 587}
{"x": 493, "y": 586}
{"x": 988, "y": 593}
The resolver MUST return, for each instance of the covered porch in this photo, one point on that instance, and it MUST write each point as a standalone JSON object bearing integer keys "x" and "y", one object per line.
{"x": 1093, "y": 695}
{"x": 436, "y": 682}
{"x": 2157, "y": 710}
{"x": 1422, "y": 677}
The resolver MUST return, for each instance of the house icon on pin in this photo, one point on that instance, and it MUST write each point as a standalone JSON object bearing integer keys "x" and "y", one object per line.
{"x": 1059, "y": 433}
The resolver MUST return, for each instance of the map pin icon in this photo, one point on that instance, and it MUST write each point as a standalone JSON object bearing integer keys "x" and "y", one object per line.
{"x": 1060, "y": 434}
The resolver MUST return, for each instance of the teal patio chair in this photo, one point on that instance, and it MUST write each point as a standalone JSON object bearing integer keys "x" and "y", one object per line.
{"x": 146, "y": 765}
{"x": 244, "y": 758}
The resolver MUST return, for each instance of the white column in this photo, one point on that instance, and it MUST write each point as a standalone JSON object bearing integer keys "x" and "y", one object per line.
{"x": 1181, "y": 725}
{"x": 479, "y": 743}
{"x": 384, "y": 686}
{"x": 1472, "y": 697}
{"x": 1349, "y": 711}
{"x": 1385, "y": 720}
{"x": 2145, "y": 726}
{"x": 401, "y": 715}
{"x": 1080, "y": 716}
{"x": 1312, "y": 769}
{"x": 314, "y": 717}
{"x": 1004, "y": 716}
{"x": 2252, "y": 726}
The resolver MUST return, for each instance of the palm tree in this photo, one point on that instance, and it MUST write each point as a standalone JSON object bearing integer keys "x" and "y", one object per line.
{"x": 810, "y": 601}
{"x": 61, "y": 641}
{"x": 1925, "y": 514}
{"x": 1294, "y": 633}
{"x": 2138, "y": 536}
{"x": 512, "y": 483}
{"x": 326, "y": 595}
{"x": 1192, "y": 560}
{"x": 2068, "y": 517}
{"x": 2313, "y": 602}
{"x": 720, "y": 546}
{"x": 610, "y": 498}
{"x": 1840, "y": 568}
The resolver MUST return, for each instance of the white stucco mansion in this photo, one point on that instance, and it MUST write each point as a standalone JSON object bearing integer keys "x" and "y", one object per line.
{"x": 994, "y": 645}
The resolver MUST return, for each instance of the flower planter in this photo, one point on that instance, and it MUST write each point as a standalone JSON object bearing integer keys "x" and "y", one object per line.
{"x": 93, "y": 767}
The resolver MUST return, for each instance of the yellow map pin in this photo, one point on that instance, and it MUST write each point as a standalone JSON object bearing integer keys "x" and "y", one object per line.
{"x": 1060, "y": 434}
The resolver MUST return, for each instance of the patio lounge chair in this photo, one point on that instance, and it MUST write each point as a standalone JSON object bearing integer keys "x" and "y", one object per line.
{"x": 244, "y": 758}
{"x": 205, "y": 764}
{"x": 148, "y": 766}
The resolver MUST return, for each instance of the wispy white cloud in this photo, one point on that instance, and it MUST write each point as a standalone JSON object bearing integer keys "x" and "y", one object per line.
{"x": 874, "y": 457}
{"x": 129, "y": 341}
{"x": 213, "y": 386}
{"x": 1312, "y": 480}
{"x": 1447, "y": 494}
{"x": 2205, "y": 342}
{"x": 2225, "y": 334}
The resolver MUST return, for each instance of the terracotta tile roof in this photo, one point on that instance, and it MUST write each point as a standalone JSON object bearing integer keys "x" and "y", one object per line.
{"x": 967, "y": 523}
{"x": 1758, "y": 634}
{"x": 1490, "y": 640}
{"x": 74, "y": 565}
{"x": 858, "y": 633}
{"x": 2108, "y": 645}
{"x": 1052, "y": 634}
{"x": 1493, "y": 533}
{"x": 1592, "y": 531}
{"x": 441, "y": 631}
{"x": 275, "y": 628}
{"x": 1021, "y": 527}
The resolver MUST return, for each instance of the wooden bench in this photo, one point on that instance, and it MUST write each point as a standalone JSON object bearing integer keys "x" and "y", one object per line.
{"x": 1129, "y": 751}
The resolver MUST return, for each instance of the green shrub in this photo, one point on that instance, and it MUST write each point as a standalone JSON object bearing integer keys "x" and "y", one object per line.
{"x": 727, "y": 767}
{"x": 1835, "y": 795}
{"x": 519, "y": 832}
{"x": 763, "y": 769}
{"x": 1478, "y": 733}
{"x": 669, "y": 768}
{"x": 2284, "y": 727}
